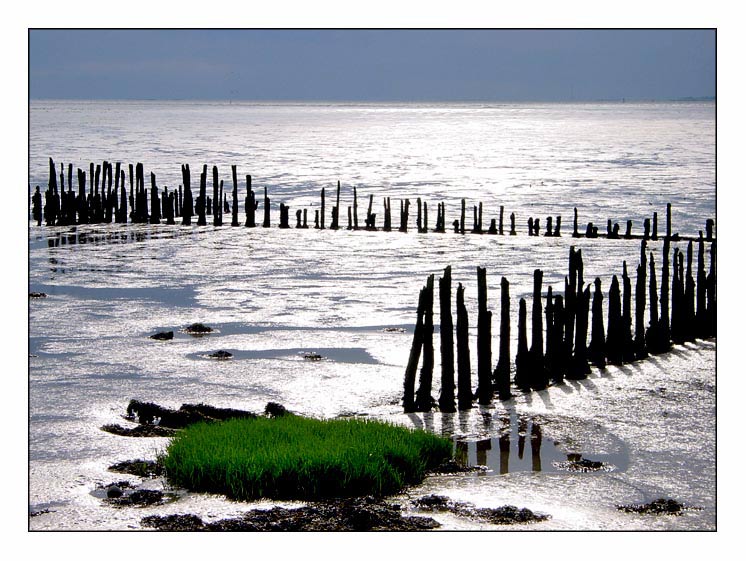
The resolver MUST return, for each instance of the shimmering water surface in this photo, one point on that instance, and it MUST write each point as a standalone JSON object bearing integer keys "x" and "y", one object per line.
{"x": 275, "y": 295}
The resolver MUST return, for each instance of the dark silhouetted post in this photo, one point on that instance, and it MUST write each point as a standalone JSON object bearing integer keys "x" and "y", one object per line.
{"x": 502, "y": 370}
{"x": 251, "y": 204}
{"x": 522, "y": 357}
{"x": 201, "y": 206}
{"x": 701, "y": 314}
{"x": 597, "y": 348}
{"x": 265, "y": 221}
{"x": 484, "y": 341}
{"x": 640, "y": 345}
{"x": 465, "y": 395}
{"x": 579, "y": 368}
{"x": 668, "y": 221}
{"x": 186, "y": 211}
{"x": 354, "y": 208}
{"x": 655, "y": 226}
{"x": 575, "y": 233}
{"x": 446, "y": 401}
{"x": 538, "y": 372}
{"x": 414, "y": 357}
{"x": 615, "y": 328}
{"x": 234, "y": 198}
{"x": 155, "y": 204}
{"x": 512, "y": 224}
{"x": 424, "y": 400}
{"x": 463, "y": 216}
{"x": 500, "y": 224}
{"x": 323, "y": 207}
{"x": 628, "y": 346}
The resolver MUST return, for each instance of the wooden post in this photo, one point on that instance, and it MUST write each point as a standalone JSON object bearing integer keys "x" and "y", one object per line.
{"x": 628, "y": 346}
{"x": 465, "y": 395}
{"x": 597, "y": 348}
{"x": 323, "y": 207}
{"x": 155, "y": 203}
{"x": 701, "y": 313}
{"x": 424, "y": 400}
{"x": 665, "y": 321}
{"x": 424, "y": 217}
{"x": 709, "y": 225}
{"x": 404, "y": 217}
{"x": 186, "y": 211}
{"x": 335, "y": 211}
{"x": 530, "y": 226}
{"x": 463, "y": 216}
{"x": 484, "y": 341}
{"x": 502, "y": 370}
{"x": 349, "y": 217}
{"x": 654, "y": 336}
{"x": 575, "y": 233}
{"x": 354, "y": 208}
{"x": 549, "y": 348}
{"x": 628, "y": 233}
{"x": 414, "y": 357}
{"x": 522, "y": 357}
{"x": 668, "y": 220}
{"x": 558, "y": 227}
{"x": 370, "y": 221}
{"x": 677, "y": 300}
{"x": 298, "y": 219}
{"x": 446, "y": 401}
{"x": 579, "y": 368}
{"x": 251, "y": 204}
{"x": 234, "y": 198}
{"x": 512, "y": 224}
{"x": 419, "y": 215}
{"x": 201, "y": 207}
{"x": 640, "y": 345}
{"x": 538, "y": 373}
{"x": 712, "y": 293}
{"x": 615, "y": 328}
{"x": 646, "y": 226}
{"x": 265, "y": 221}
{"x": 284, "y": 216}
{"x": 500, "y": 225}
{"x": 655, "y": 226}
{"x": 549, "y": 231}
{"x": 559, "y": 360}
{"x": 689, "y": 296}
{"x": 217, "y": 199}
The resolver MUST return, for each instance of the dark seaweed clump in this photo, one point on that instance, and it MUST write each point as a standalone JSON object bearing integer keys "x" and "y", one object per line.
{"x": 354, "y": 514}
{"x": 658, "y": 506}
{"x": 503, "y": 515}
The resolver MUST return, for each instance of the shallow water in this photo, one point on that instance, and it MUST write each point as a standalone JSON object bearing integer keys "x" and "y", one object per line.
{"x": 274, "y": 295}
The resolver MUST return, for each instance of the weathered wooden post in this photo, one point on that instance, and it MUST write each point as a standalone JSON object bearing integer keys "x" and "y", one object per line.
{"x": 557, "y": 228}
{"x": 423, "y": 399}
{"x": 538, "y": 371}
{"x": 655, "y": 226}
{"x": 709, "y": 225}
{"x": 265, "y": 221}
{"x": 465, "y": 395}
{"x": 701, "y": 313}
{"x": 414, "y": 357}
{"x": 201, "y": 206}
{"x": 665, "y": 321}
{"x": 446, "y": 402}
{"x": 484, "y": 341}
{"x": 354, "y": 208}
{"x": 387, "y": 214}
{"x": 335, "y": 211}
{"x": 500, "y": 224}
{"x": 323, "y": 207}
{"x": 646, "y": 226}
{"x": 462, "y": 223}
{"x": 597, "y": 348}
{"x": 640, "y": 345}
{"x": 316, "y": 223}
{"x": 559, "y": 360}
{"x": 298, "y": 221}
{"x": 628, "y": 232}
{"x": 419, "y": 215}
{"x": 305, "y": 218}
{"x": 530, "y": 226}
{"x": 549, "y": 231}
{"x": 493, "y": 227}
{"x": 689, "y": 295}
{"x": 502, "y": 369}
{"x": 424, "y": 217}
{"x": 370, "y": 221}
{"x": 234, "y": 198}
{"x": 712, "y": 293}
{"x": 36, "y": 212}
{"x": 251, "y": 204}
{"x": 654, "y": 335}
{"x": 186, "y": 211}
{"x": 575, "y": 233}
{"x": 677, "y": 299}
{"x": 404, "y": 216}
{"x": 615, "y": 328}
{"x": 668, "y": 221}
{"x": 522, "y": 357}
{"x": 349, "y": 217}
{"x": 284, "y": 216}
{"x": 579, "y": 368}
{"x": 628, "y": 346}
{"x": 155, "y": 204}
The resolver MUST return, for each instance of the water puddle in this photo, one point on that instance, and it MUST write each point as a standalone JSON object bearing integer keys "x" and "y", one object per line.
{"x": 523, "y": 446}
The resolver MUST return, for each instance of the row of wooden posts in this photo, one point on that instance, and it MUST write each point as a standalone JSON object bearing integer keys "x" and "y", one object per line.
{"x": 561, "y": 351}
{"x": 103, "y": 202}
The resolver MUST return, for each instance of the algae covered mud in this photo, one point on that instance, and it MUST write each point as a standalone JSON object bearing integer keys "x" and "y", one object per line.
{"x": 321, "y": 321}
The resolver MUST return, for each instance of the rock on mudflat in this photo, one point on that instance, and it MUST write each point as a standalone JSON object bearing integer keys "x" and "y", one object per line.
{"x": 163, "y": 336}
{"x": 658, "y": 506}
{"x": 355, "y": 514}
{"x": 37, "y": 295}
{"x": 221, "y": 355}
{"x": 503, "y": 515}
{"x": 139, "y": 431}
{"x": 140, "y": 468}
{"x": 198, "y": 329}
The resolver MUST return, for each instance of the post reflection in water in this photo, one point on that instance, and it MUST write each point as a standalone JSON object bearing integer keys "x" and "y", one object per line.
{"x": 495, "y": 453}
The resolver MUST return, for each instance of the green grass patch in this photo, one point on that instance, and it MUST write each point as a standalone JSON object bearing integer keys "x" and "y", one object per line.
{"x": 295, "y": 457}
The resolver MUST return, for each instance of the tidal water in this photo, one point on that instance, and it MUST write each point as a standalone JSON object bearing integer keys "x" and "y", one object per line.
{"x": 275, "y": 295}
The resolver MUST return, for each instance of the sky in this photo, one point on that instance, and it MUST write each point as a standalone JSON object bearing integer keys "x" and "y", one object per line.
{"x": 372, "y": 65}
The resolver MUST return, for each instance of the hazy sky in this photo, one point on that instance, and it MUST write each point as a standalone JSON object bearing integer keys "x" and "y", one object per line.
{"x": 395, "y": 65}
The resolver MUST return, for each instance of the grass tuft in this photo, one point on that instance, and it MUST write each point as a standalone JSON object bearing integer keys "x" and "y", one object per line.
{"x": 292, "y": 457}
